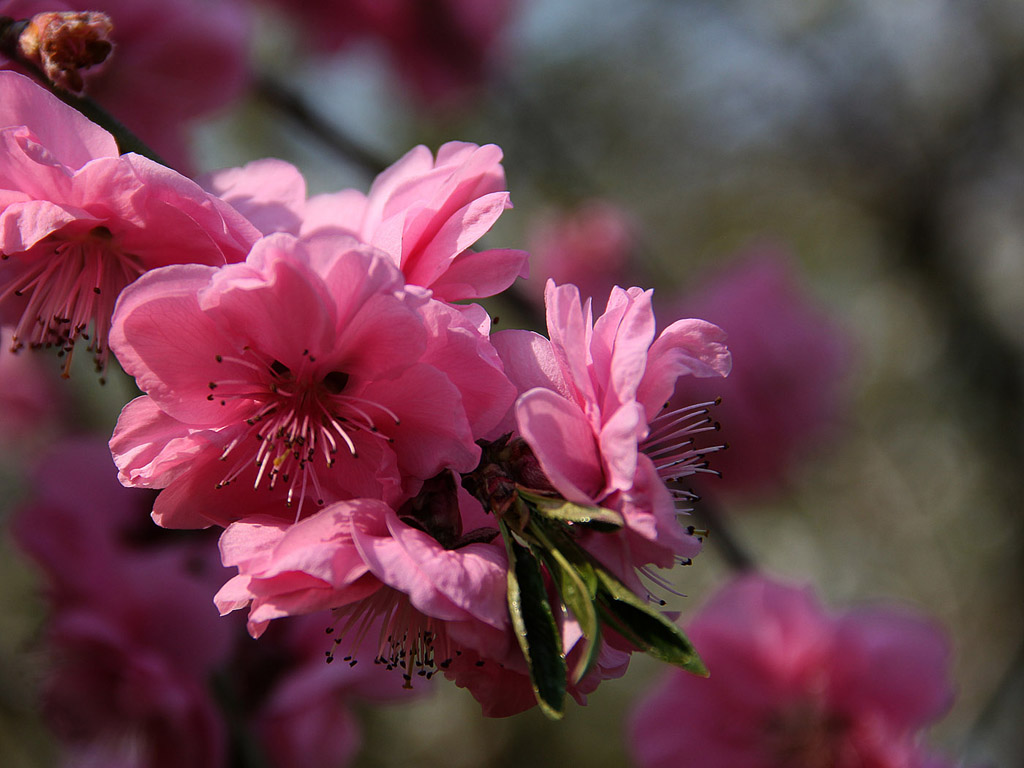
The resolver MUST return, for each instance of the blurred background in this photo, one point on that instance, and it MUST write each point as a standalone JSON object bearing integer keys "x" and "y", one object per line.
{"x": 838, "y": 183}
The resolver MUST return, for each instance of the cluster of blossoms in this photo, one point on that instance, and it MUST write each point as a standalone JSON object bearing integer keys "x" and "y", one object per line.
{"x": 462, "y": 501}
{"x": 321, "y": 390}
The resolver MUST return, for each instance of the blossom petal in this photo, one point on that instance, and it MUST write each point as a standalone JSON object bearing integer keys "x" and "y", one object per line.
{"x": 157, "y": 324}
{"x": 452, "y": 585}
{"x": 70, "y": 136}
{"x": 693, "y": 347}
{"x": 563, "y": 441}
{"x": 270, "y": 193}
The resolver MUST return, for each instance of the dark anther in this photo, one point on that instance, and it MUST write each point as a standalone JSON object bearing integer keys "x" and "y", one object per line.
{"x": 335, "y": 382}
{"x": 279, "y": 368}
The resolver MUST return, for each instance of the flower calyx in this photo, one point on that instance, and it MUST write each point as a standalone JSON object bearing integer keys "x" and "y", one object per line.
{"x": 435, "y": 511}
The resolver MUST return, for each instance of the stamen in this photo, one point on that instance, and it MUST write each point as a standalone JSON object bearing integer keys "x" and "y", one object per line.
{"x": 300, "y": 417}
{"x": 407, "y": 639}
{"x": 70, "y": 283}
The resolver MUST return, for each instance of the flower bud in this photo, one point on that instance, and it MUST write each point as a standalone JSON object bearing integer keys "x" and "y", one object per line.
{"x": 63, "y": 43}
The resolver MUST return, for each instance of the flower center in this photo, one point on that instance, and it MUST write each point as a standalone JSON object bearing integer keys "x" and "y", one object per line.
{"x": 301, "y": 420}
{"x": 406, "y": 640}
{"x": 67, "y": 283}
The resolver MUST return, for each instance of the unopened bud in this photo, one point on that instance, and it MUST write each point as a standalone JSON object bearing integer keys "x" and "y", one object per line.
{"x": 64, "y": 43}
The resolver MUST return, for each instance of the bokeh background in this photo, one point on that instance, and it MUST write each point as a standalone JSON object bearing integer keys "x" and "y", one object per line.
{"x": 875, "y": 146}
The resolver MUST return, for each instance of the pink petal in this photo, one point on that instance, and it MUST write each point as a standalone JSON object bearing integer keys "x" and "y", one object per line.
{"x": 70, "y": 136}
{"x": 693, "y": 347}
{"x": 433, "y": 433}
{"x": 477, "y": 275}
{"x": 459, "y": 232}
{"x": 563, "y": 441}
{"x": 446, "y": 584}
{"x": 570, "y": 327}
{"x": 161, "y": 336}
{"x": 274, "y": 302}
{"x": 151, "y": 449}
{"x": 338, "y": 212}
{"x": 530, "y": 361}
{"x": 269, "y": 192}
{"x": 23, "y": 224}
{"x": 618, "y": 445}
{"x": 622, "y": 337}
{"x": 459, "y": 346}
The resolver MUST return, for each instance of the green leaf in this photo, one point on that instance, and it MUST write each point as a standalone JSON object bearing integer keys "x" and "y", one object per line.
{"x": 535, "y": 627}
{"x": 598, "y": 518}
{"x": 578, "y": 592}
{"x": 645, "y": 627}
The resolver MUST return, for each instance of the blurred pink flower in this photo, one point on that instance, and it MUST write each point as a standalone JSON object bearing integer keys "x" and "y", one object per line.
{"x": 31, "y": 406}
{"x": 306, "y": 718}
{"x": 442, "y": 49}
{"x": 78, "y": 222}
{"x": 591, "y": 247}
{"x": 132, "y": 636}
{"x": 173, "y": 62}
{"x": 592, "y": 408}
{"x": 307, "y": 371}
{"x": 790, "y": 357}
{"x": 425, "y": 213}
{"x": 134, "y": 639}
{"x": 792, "y": 685}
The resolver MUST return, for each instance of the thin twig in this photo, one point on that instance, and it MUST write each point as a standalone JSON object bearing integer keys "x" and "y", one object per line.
{"x": 720, "y": 534}
{"x": 289, "y": 103}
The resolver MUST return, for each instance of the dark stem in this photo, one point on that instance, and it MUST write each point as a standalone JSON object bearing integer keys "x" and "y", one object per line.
{"x": 10, "y": 31}
{"x": 721, "y": 536}
{"x": 289, "y": 103}
{"x": 242, "y": 746}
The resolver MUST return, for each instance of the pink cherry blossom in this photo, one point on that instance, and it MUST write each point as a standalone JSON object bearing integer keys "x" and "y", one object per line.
{"x": 425, "y": 213}
{"x": 784, "y": 395}
{"x": 307, "y": 371}
{"x": 793, "y": 685}
{"x": 591, "y": 407}
{"x": 350, "y": 550}
{"x": 590, "y": 246}
{"x": 173, "y": 62}
{"x": 432, "y": 602}
{"x": 78, "y": 222}
{"x": 416, "y": 590}
{"x": 442, "y": 50}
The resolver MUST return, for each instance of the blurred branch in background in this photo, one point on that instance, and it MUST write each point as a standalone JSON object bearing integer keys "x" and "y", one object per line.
{"x": 297, "y": 110}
